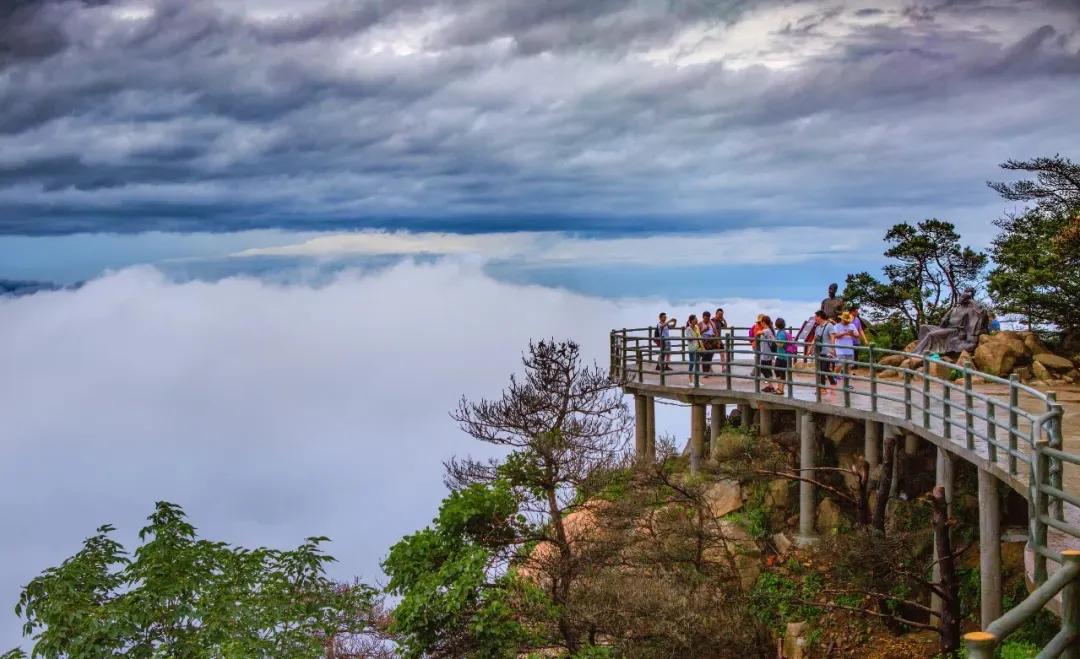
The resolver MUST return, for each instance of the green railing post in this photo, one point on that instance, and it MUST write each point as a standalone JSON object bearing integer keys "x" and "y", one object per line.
{"x": 1056, "y": 465}
{"x": 991, "y": 430}
{"x": 1039, "y": 508}
{"x": 980, "y": 645}
{"x": 925, "y": 392}
{"x": 969, "y": 418}
{"x": 946, "y": 410}
{"x": 847, "y": 383}
{"x": 873, "y": 378}
{"x": 1070, "y": 607}
{"x": 789, "y": 377}
{"x": 623, "y": 356}
{"x": 1014, "y": 406}
{"x": 757, "y": 372}
{"x": 818, "y": 372}
{"x": 729, "y": 347}
{"x": 907, "y": 394}
{"x": 640, "y": 364}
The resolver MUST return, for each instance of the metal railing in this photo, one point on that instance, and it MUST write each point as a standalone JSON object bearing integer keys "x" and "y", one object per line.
{"x": 1016, "y": 435}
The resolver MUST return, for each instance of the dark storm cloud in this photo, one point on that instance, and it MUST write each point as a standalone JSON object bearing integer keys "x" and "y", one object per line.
{"x": 611, "y": 115}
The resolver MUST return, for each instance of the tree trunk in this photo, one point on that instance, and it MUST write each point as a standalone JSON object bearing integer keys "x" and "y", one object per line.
{"x": 950, "y": 599}
{"x": 885, "y": 482}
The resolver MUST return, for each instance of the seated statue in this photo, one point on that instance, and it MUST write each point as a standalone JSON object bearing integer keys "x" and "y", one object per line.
{"x": 959, "y": 331}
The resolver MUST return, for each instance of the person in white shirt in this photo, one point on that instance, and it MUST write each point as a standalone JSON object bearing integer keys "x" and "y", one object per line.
{"x": 845, "y": 336}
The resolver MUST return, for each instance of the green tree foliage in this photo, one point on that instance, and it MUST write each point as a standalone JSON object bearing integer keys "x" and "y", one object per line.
{"x": 179, "y": 596}
{"x": 454, "y": 597}
{"x": 929, "y": 269}
{"x": 1037, "y": 254}
{"x": 495, "y": 573}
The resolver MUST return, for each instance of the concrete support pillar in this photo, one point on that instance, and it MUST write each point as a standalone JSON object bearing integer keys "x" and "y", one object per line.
{"x": 807, "y": 457}
{"x": 697, "y": 436}
{"x": 989, "y": 549}
{"x": 650, "y": 429}
{"x": 911, "y": 443}
{"x": 872, "y": 443}
{"x": 641, "y": 415}
{"x": 746, "y": 416}
{"x": 943, "y": 476}
{"x": 765, "y": 418}
{"x": 717, "y": 419}
{"x": 893, "y": 431}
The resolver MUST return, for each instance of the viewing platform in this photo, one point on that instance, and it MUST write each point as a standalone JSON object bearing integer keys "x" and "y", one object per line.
{"x": 1012, "y": 433}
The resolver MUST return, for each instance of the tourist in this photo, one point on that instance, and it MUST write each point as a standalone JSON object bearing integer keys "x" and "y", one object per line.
{"x": 824, "y": 350}
{"x": 755, "y": 329}
{"x": 806, "y": 338}
{"x": 832, "y": 305}
{"x": 766, "y": 351}
{"x": 692, "y": 340}
{"x": 857, "y": 321}
{"x": 662, "y": 339}
{"x": 721, "y": 324}
{"x": 845, "y": 335}
{"x": 708, "y": 341}
{"x": 786, "y": 349}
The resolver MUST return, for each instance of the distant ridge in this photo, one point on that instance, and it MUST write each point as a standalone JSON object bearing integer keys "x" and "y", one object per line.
{"x": 18, "y": 287}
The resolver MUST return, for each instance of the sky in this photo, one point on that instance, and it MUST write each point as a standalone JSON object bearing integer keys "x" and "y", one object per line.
{"x": 291, "y": 234}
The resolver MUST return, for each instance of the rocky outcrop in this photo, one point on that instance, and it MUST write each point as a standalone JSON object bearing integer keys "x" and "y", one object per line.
{"x": 998, "y": 357}
{"x": 1052, "y": 362}
{"x": 828, "y": 517}
{"x": 723, "y": 496}
{"x": 840, "y": 430}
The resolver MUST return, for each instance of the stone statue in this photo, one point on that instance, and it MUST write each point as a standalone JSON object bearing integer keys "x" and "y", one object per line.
{"x": 832, "y": 305}
{"x": 959, "y": 331}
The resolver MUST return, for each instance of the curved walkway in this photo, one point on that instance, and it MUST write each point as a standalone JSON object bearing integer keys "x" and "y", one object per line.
{"x": 1011, "y": 432}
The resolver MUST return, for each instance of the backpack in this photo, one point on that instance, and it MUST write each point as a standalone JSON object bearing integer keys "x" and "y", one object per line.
{"x": 789, "y": 347}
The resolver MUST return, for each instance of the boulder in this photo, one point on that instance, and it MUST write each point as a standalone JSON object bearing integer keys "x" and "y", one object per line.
{"x": 839, "y": 430}
{"x": 778, "y": 493}
{"x": 912, "y": 363}
{"x": 723, "y": 497}
{"x": 1052, "y": 362}
{"x": 911, "y": 346}
{"x": 965, "y": 360}
{"x": 1039, "y": 371}
{"x": 737, "y": 549}
{"x": 892, "y": 360}
{"x": 1033, "y": 345}
{"x": 828, "y": 517}
{"x": 888, "y": 374}
{"x": 795, "y": 640}
{"x": 1024, "y": 373}
{"x": 998, "y": 357}
{"x": 940, "y": 369}
{"x": 782, "y": 542}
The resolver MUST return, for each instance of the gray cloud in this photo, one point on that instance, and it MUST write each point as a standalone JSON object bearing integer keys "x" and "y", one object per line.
{"x": 611, "y": 115}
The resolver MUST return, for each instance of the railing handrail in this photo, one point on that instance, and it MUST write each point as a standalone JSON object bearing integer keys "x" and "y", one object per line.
{"x": 1043, "y": 458}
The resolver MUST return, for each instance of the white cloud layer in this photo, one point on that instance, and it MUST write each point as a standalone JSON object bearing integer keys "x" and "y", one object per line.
{"x": 270, "y": 412}
{"x": 745, "y": 246}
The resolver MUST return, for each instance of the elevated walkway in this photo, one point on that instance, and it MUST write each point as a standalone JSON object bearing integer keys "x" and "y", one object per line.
{"x": 1012, "y": 433}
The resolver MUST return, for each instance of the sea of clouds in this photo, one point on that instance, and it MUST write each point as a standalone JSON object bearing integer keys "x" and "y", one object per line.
{"x": 270, "y": 411}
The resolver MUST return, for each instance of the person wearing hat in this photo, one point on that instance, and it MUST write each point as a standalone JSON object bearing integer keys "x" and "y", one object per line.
{"x": 845, "y": 336}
